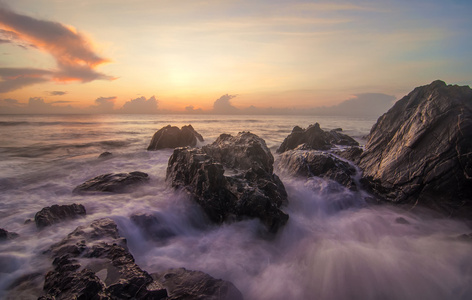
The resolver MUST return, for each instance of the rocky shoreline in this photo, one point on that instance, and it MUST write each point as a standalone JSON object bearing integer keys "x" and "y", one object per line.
{"x": 418, "y": 154}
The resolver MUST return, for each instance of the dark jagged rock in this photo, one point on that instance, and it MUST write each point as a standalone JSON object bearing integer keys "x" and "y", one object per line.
{"x": 315, "y": 138}
{"x": 152, "y": 226}
{"x": 93, "y": 262}
{"x": 420, "y": 151}
{"x": 352, "y": 153}
{"x": 57, "y": 213}
{"x": 105, "y": 154}
{"x": 310, "y": 163}
{"x": 252, "y": 192}
{"x": 195, "y": 285}
{"x": 5, "y": 235}
{"x": 113, "y": 183}
{"x": 244, "y": 151}
{"x": 173, "y": 137}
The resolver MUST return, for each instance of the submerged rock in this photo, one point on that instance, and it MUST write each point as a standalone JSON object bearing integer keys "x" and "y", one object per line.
{"x": 93, "y": 262}
{"x": 308, "y": 163}
{"x": 195, "y": 285}
{"x": 420, "y": 151}
{"x": 173, "y": 137}
{"x": 6, "y": 235}
{"x": 57, "y": 213}
{"x": 315, "y": 138}
{"x": 152, "y": 227}
{"x": 253, "y": 191}
{"x": 113, "y": 182}
{"x": 105, "y": 154}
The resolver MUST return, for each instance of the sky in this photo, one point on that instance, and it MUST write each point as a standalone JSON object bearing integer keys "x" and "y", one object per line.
{"x": 225, "y": 56}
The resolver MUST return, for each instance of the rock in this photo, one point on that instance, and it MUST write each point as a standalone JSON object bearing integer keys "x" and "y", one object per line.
{"x": 195, "y": 285}
{"x": 420, "y": 151}
{"x": 93, "y": 262}
{"x": 57, "y": 213}
{"x": 244, "y": 151}
{"x": 310, "y": 163}
{"x": 105, "y": 154}
{"x": 401, "y": 220}
{"x": 352, "y": 153}
{"x": 315, "y": 138}
{"x": 152, "y": 227}
{"x": 251, "y": 192}
{"x": 112, "y": 183}
{"x": 173, "y": 137}
{"x": 5, "y": 235}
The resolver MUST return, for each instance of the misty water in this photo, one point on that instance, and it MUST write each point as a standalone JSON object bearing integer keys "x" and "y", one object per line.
{"x": 334, "y": 246}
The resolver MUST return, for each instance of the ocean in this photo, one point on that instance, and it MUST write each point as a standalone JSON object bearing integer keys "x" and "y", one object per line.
{"x": 334, "y": 246}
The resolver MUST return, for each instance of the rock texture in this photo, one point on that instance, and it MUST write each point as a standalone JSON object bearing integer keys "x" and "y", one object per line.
{"x": 315, "y": 138}
{"x": 252, "y": 191}
{"x": 173, "y": 137}
{"x": 57, "y": 213}
{"x": 152, "y": 227}
{"x": 93, "y": 262}
{"x": 185, "y": 284}
{"x": 113, "y": 183}
{"x": 308, "y": 163}
{"x": 420, "y": 151}
{"x": 6, "y": 235}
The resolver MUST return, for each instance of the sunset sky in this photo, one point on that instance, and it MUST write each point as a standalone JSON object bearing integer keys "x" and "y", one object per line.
{"x": 105, "y": 54}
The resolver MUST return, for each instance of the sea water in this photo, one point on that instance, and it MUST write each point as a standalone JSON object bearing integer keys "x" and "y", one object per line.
{"x": 334, "y": 246}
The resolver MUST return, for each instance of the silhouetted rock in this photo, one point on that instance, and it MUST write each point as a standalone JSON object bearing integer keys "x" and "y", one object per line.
{"x": 6, "y": 235}
{"x": 420, "y": 151}
{"x": 308, "y": 163}
{"x": 113, "y": 183}
{"x": 57, "y": 213}
{"x": 251, "y": 192}
{"x": 152, "y": 226}
{"x": 315, "y": 138}
{"x": 173, "y": 137}
{"x": 105, "y": 154}
{"x": 195, "y": 285}
{"x": 93, "y": 262}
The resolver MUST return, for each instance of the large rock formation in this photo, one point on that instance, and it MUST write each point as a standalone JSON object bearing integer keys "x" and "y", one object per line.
{"x": 185, "y": 284}
{"x": 315, "y": 138}
{"x": 173, "y": 137}
{"x": 93, "y": 262}
{"x": 420, "y": 151}
{"x": 252, "y": 191}
{"x": 308, "y": 163}
{"x": 57, "y": 213}
{"x": 112, "y": 183}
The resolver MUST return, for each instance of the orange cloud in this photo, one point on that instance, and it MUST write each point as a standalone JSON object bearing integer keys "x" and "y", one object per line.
{"x": 75, "y": 58}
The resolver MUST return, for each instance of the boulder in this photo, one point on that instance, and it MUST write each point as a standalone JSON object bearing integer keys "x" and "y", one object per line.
{"x": 93, "y": 262}
{"x": 315, "y": 138}
{"x": 173, "y": 137}
{"x": 112, "y": 183}
{"x": 420, "y": 151}
{"x": 6, "y": 235}
{"x": 251, "y": 191}
{"x": 195, "y": 285}
{"x": 57, "y": 213}
{"x": 105, "y": 154}
{"x": 308, "y": 163}
{"x": 152, "y": 226}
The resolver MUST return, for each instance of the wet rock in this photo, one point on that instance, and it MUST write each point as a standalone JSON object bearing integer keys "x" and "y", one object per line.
{"x": 6, "y": 235}
{"x": 352, "y": 153}
{"x": 308, "y": 163}
{"x": 152, "y": 226}
{"x": 173, "y": 137}
{"x": 315, "y": 138}
{"x": 105, "y": 154}
{"x": 112, "y": 183}
{"x": 93, "y": 262}
{"x": 57, "y": 213}
{"x": 420, "y": 151}
{"x": 244, "y": 151}
{"x": 195, "y": 285}
{"x": 251, "y": 191}
{"x": 401, "y": 220}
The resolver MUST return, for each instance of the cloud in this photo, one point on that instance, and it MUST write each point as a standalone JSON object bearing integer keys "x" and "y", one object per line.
{"x": 10, "y": 103}
{"x": 223, "y": 105}
{"x": 57, "y": 93}
{"x": 366, "y": 104}
{"x": 75, "y": 58}
{"x": 16, "y": 78}
{"x": 103, "y": 105}
{"x": 191, "y": 109}
{"x": 140, "y": 106}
